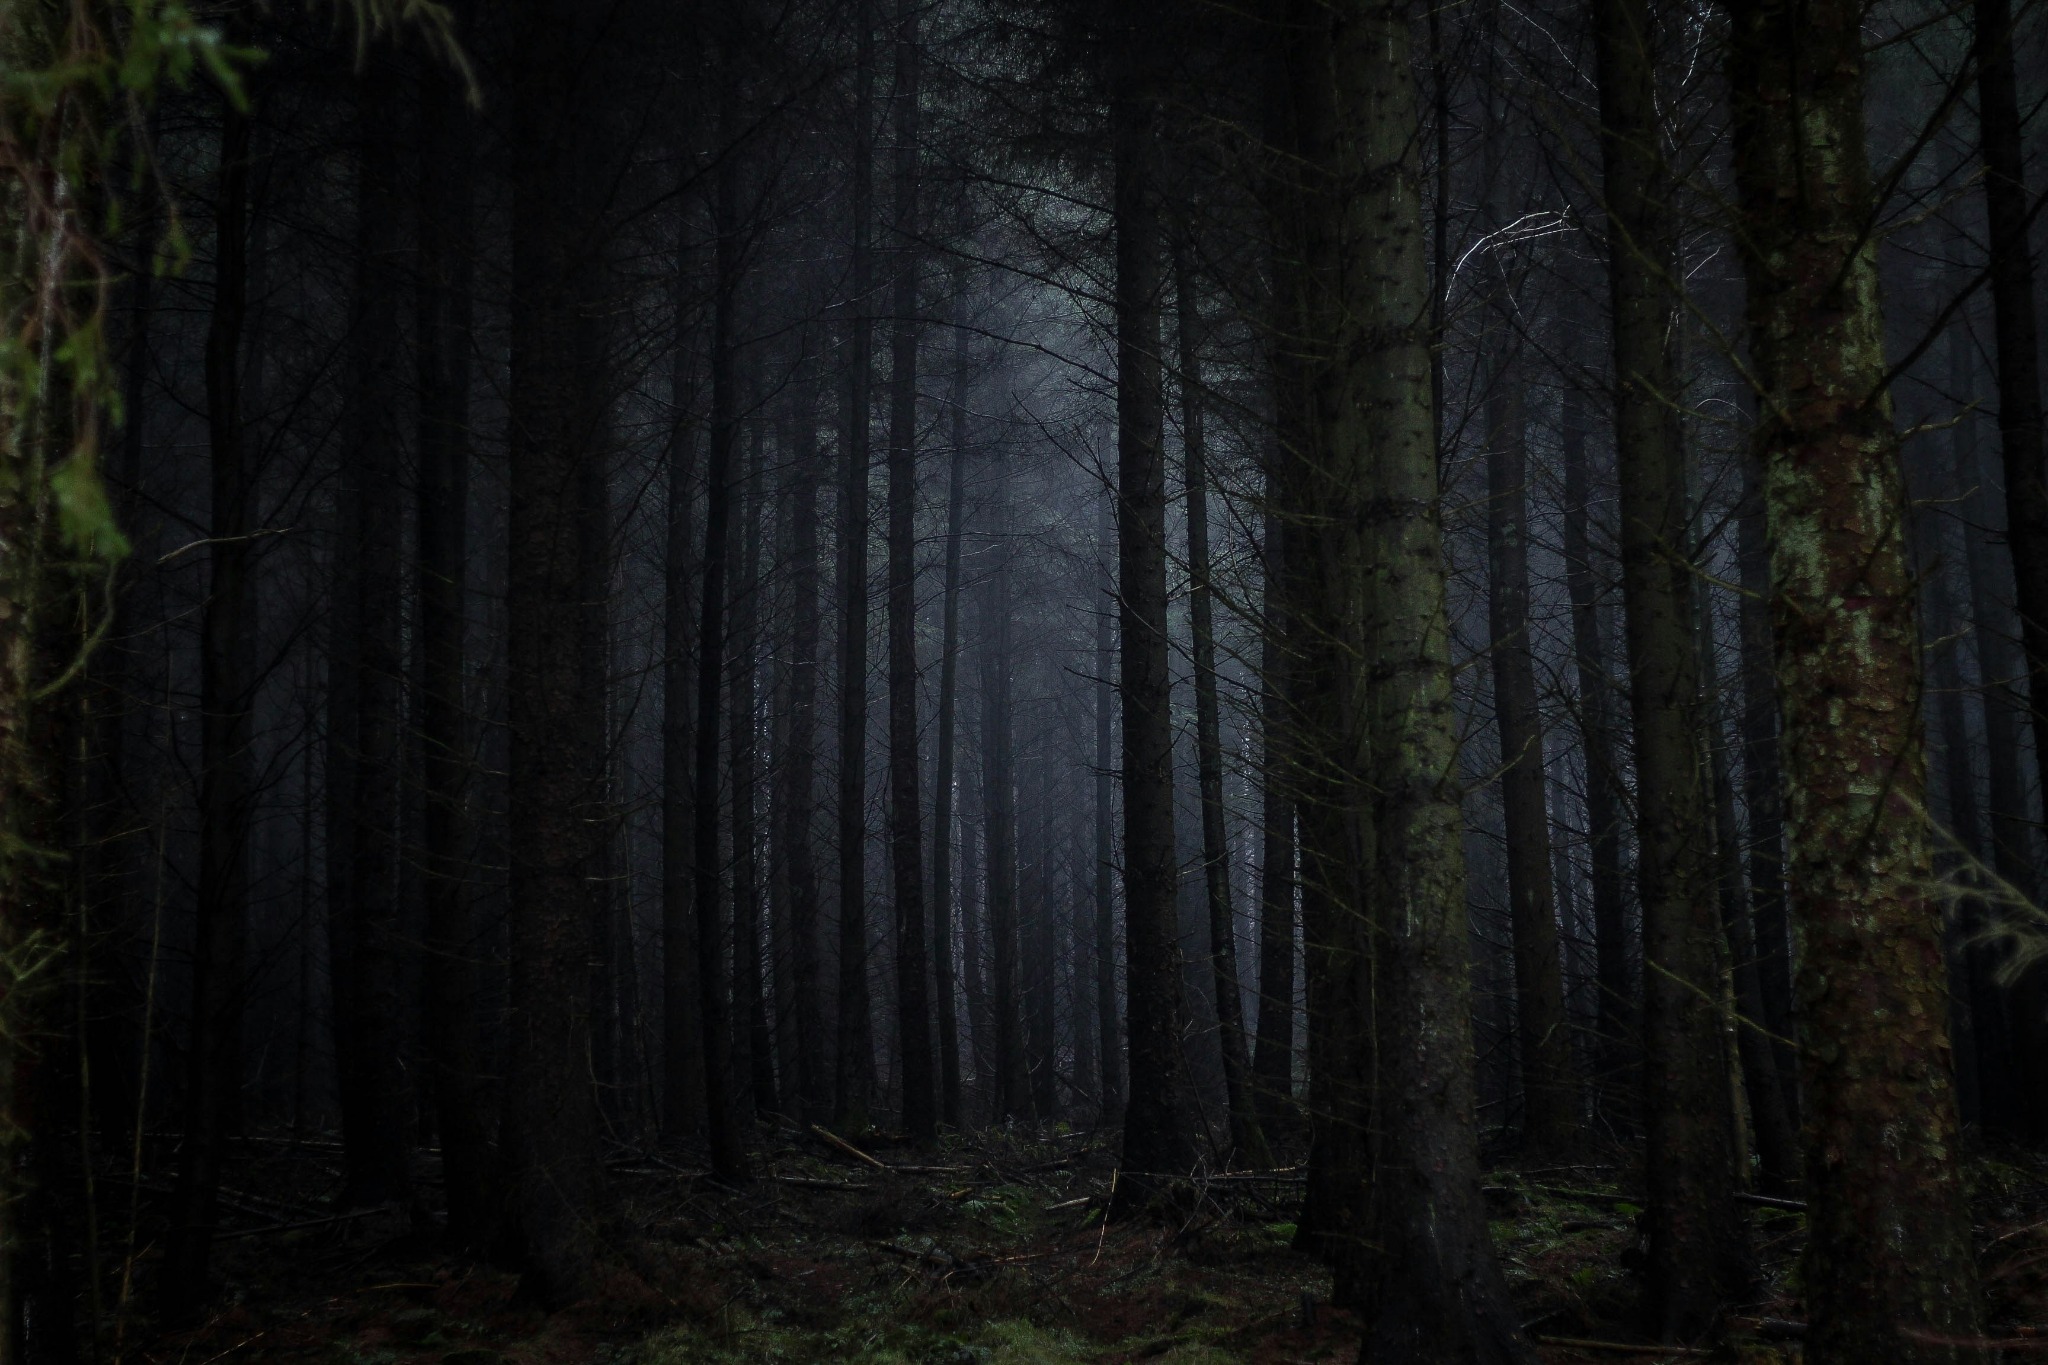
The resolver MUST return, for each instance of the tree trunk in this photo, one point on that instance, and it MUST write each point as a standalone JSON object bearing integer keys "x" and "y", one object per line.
{"x": 454, "y": 1025}
{"x": 1550, "y": 1087}
{"x": 1247, "y": 1139}
{"x": 1273, "y": 1051}
{"x": 1436, "y": 1292}
{"x": 1615, "y": 1013}
{"x": 369, "y": 1046}
{"x": 556, "y": 786}
{"x": 854, "y": 1061}
{"x": 1156, "y": 1137}
{"x": 1041, "y": 1058}
{"x": 1111, "y": 1054}
{"x": 2020, "y": 436}
{"x": 682, "y": 1042}
{"x": 1763, "y": 788}
{"x": 721, "y": 1107}
{"x": 1777, "y": 1137}
{"x": 1698, "y": 1257}
{"x": 213, "y": 1079}
{"x": 999, "y": 810}
{"x": 943, "y": 896}
{"x": 797, "y": 771}
{"x": 1889, "y": 1271}
{"x": 754, "y": 1046}
{"x": 906, "y": 787}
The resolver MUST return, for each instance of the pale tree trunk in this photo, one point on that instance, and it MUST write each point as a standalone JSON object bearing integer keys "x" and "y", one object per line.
{"x": 1889, "y": 1271}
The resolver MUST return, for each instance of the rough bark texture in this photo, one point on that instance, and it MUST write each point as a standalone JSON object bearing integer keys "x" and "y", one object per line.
{"x": 1005, "y": 1043}
{"x": 1157, "y": 1137}
{"x": 1697, "y": 1255}
{"x": 1436, "y": 1292}
{"x": 454, "y": 1026}
{"x": 906, "y": 830}
{"x": 1889, "y": 1272}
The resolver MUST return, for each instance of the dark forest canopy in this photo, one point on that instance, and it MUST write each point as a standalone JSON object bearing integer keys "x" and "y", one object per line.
{"x": 1378, "y": 601}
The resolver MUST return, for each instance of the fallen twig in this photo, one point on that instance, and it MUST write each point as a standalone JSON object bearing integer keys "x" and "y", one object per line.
{"x": 1629, "y": 1348}
{"x": 350, "y": 1216}
{"x": 833, "y": 1140}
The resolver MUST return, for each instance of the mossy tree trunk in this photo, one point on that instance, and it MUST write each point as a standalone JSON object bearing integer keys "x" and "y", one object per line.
{"x": 1889, "y": 1271}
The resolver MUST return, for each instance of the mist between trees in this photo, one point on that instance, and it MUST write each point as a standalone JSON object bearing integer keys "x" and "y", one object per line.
{"x": 1394, "y": 593}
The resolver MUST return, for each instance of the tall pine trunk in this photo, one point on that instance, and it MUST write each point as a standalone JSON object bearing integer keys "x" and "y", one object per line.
{"x": 906, "y": 847}
{"x": 944, "y": 896}
{"x": 1157, "y": 1138}
{"x": 796, "y": 774}
{"x": 1005, "y": 1043}
{"x": 854, "y": 1058}
{"x": 555, "y": 783}
{"x": 1889, "y": 1271}
{"x": 2016, "y": 327}
{"x": 453, "y": 960}
{"x": 213, "y": 1076}
{"x": 369, "y": 1046}
{"x": 1698, "y": 1257}
{"x": 1109, "y": 1041}
{"x": 1273, "y": 1050}
{"x": 1550, "y": 1096}
{"x": 1247, "y": 1139}
{"x": 714, "y": 983}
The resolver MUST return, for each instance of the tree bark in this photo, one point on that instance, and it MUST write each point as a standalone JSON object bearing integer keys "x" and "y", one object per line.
{"x": 754, "y": 1046}
{"x": 796, "y": 774}
{"x": 906, "y": 787}
{"x": 854, "y": 1058}
{"x": 1435, "y": 1292}
{"x": 1698, "y": 1257}
{"x": 2016, "y": 327}
{"x": 721, "y": 1108}
{"x": 556, "y": 785}
{"x": 1550, "y": 1089}
{"x": 454, "y": 1025}
{"x": 213, "y": 1078}
{"x": 1615, "y": 1008}
{"x": 1247, "y": 1139}
{"x": 943, "y": 894}
{"x": 999, "y": 810}
{"x": 369, "y": 1043}
{"x": 1111, "y": 1053}
{"x": 1889, "y": 1271}
{"x": 1156, "y": 1137}
{"x": 1273, "y": 1050}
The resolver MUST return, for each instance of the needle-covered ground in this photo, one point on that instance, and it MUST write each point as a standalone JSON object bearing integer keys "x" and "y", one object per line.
{"x": 990, "y": 1251}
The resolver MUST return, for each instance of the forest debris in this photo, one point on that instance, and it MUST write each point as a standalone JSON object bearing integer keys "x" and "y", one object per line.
{"x": 350, "y": 1216}
{"x": 1070, "y": 1203}
{"x": 1624, "y": 1347}
{"x": 1771, "y": 1201}
{"x": 812, "y": 1183}
{"x": 839, "y": 1143}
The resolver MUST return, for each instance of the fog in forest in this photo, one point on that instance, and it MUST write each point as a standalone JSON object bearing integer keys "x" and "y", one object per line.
{"x": 934, "y": 681}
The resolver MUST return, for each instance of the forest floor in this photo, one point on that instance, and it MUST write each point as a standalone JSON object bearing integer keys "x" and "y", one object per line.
{"x": 992, "y": 1251}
